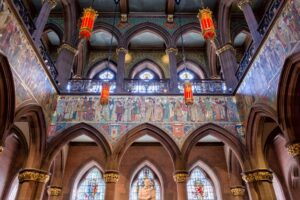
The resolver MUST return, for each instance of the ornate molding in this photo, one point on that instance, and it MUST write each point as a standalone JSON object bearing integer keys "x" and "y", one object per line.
{"x": 34, "y": 175}
{"x": 258, "y": 175}
{"x": 238, "y": 191}
{"x": 241, "y": 3}
{"x": 121, "y": 50}
{"x": 181, "y": 177}
{"x": 54, "y": 191}
{"x": 172, "y": 50}
{"x": 67, "y": 47}
{"x": 124, "y": 18}
{"x": 225, "y": 48}
{"x": 1, "y": 149}
{"x": 294, "y": 149}
{"x": 111, "y": 177}
{"x": 170, "y": 18}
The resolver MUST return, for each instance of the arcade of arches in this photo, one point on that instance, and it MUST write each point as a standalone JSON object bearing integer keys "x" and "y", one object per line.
{"x": 240, "y": 139}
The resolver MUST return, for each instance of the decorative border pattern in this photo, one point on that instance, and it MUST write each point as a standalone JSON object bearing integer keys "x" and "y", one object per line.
{"x": 35, "y": 175}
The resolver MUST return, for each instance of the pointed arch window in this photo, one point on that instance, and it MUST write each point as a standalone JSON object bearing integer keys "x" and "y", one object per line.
{"x": 91, "y": 186}
{"x": 187, "y": 75}
{"x": 145, "y": 184}
{"x": 200, "y": 186}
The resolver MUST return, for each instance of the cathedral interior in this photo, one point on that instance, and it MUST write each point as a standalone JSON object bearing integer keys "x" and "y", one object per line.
{"x": 149, "y": 99}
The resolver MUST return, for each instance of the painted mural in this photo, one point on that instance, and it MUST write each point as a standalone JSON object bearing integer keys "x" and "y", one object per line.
{"x": 261, "y": 83}
{"x": 31, "y": 80}
{"x": 125, "y": 112}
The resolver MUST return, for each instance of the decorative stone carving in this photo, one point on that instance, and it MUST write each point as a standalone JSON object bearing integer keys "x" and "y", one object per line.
{"x": 258, "y": 175}
{"x": 111, "y": 177}
{"x": 124, "y": 18}
{"x": 54, "y": 191}
{"x": 121, "y": 50}
{"x": 170, "y": 18}
{"x": 238, "y": 191}
{"x": 67, "y": 47}
{"x": 241, "y": 3}
{"x": 181, "y": 177}
{"x": 294, "y": 149}
{"x": 225, "y": 48}
{"x": 34, "y": 175}
{"x": 172, "y": 50}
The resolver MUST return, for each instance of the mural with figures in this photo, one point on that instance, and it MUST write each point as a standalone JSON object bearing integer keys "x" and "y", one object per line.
{"x": 29, "y": 88}
{"x": 125, "y": 112}
{"x": 261, "y": 82}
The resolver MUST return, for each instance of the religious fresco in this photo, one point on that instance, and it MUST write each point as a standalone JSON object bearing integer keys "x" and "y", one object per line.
{"x": 261, "y": 82}
{"x": 126, "y": 112}
{"x": 31, "y": 80}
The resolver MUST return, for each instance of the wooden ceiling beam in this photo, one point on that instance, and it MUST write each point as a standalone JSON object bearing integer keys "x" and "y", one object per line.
{"x": 124, "y": 6}
{"x": 170, "y": 7}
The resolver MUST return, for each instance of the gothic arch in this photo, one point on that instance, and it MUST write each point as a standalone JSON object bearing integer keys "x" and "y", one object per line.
{"x": 140, "y": 66}
{"x": 57, "y": 142}
{"x": 110, "y": 29}
{"x": 191, "y": 27}
{"x": 7, "y": 98}
{"x": 220, "y": 133}
{"x": 70, "y": 20}
{"x": 224, "y": 21}
{"x": 56, "y": 29}
{"x": 98, "y": 66}
{"x": 147, "y": 26}
{"x": 146, "y": 129}
{"x": 194, "y": 67}
{"x": 34, "y": 116}
{"x": 288, "y": 98}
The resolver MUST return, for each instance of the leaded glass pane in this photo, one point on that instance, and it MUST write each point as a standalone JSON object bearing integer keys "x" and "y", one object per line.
{"x": 146, "y": 75}
{"x": 106, "y": 75}
{"x": 92, "y": 186}
{"x": 186, "y": 75}
{"x": 199, "y": 186}
{"x": 146, "y": 185}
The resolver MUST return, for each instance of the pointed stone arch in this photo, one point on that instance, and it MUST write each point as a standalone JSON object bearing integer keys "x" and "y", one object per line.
{"x": 146, "y": 129}
{"x": 219, "y": 133}
{"x": 140, "y": 66}
{"x": 57, "y": 142}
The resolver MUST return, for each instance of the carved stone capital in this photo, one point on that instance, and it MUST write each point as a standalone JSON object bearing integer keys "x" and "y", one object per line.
{"x": 172, "y": 50}
{"x": 237, "y": 191}
{"x": 181, "y": 177}
{"x": 124, "y": 18}
{"x": 121, "y": 50}
{"x": 53, "y": 3}
{"x": 111, "y": 177}
{"x": 54, "y": 191}
{"x": 170, "y": 18}
{"x": 34, "y": 175}
{"x": 67, "y": 47}
{"x": 242, "y": 3}
{"x": 258, "y": 175}
{"x": 225, "y": 48}
{"x": 294, "y": 149}
{"x": 1, "y": 149}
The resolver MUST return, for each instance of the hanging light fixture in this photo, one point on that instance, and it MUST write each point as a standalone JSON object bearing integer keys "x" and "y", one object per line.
{"x": 104, "y": 98}
{"x": 88, "y": 18}
{"x": 206, "y": 23}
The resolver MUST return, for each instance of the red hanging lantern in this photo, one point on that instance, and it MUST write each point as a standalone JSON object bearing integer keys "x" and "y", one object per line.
{"x": 87, "y": 22}
{"x": 207, "y": 24}
{"x": 104, "y": 94}
{"x": 188, "y": 93}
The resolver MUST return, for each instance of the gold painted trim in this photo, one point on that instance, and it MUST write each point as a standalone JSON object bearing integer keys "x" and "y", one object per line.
{"x": 54, "y": 191}
{"x": 181, "y": 177}
{"x": 67, "y": 47}
{"x": 172, "y": 50}
{"x": 258, "y": 175}
{"x": 170, "y": 18}
{"x": 121, "y": 50}
{"x": 224, "y": 48}
{"x": 124, "y": 18}
{"x": 241, "y": 3}
{"x": 238, "y": 191}
{"x": 34, "y": 175}
{"x": 111, "y": 177}
{"x": 294, "y": 149}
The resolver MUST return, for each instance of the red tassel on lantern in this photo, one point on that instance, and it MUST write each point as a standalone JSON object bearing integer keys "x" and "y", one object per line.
{"x": 87, "y": 22}
{"x": 104, "y": 94}
{"x": 207, "y": 24}
{"x": 188, "y": 93}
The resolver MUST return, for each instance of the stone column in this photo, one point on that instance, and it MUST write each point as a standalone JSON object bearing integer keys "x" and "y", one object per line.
{"x": 172, "y": 52}
{"x": 294, "y": 151}
{"x": 111, "y": 178}
{"x": 259, "y": 183}
{"x": 42, "y": 19}
{"x": 64, "y": 63}
{"x": 54, "y": 192}
{"x": 181, "y": 178}
{"x": 32, "y": 184}
{"x": 238, "y": 192}
{"x": 121, "y": 52}
{"x": 245, "y": 6}
{"x": 81, "y": 58}
{"x": 229, "y": 65}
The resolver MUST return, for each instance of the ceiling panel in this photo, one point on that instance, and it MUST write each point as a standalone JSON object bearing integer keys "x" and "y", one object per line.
{"x": 99, "y": 5}
{"x": 193, "y": 6}
{"x": 192, "y": 39}
{"x": 147, "y": 5}
{"x": 102, "y": 39}
{"x": 146, "y": 40}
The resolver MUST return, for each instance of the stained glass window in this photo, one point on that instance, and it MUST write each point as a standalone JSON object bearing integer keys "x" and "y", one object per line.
{"x": 146, "y": 75}
{"x": 186, "y": 75}
{"x": 199, "y": 186}
{"x": 91, "y": 186}
{"x": 106, "y": 75}
{"x": 145, "y": 184}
